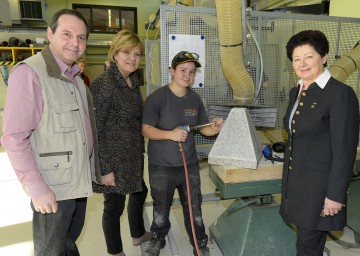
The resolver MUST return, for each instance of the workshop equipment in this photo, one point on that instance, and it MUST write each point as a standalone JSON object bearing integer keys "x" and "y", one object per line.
{"x": 192, "y": 128}
{"x": 252, "y": 224}
{"x": 271, "y": 30}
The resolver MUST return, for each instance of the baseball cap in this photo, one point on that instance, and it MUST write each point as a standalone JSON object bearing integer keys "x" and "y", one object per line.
{"x": 183, "y": 57}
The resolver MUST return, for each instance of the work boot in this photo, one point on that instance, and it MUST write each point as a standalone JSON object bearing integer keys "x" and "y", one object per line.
{"x": 118, "y": 254}
{"x": 204, "y": 251}
{"x": 145, "y": 237}
{"x": 156, "y": 244}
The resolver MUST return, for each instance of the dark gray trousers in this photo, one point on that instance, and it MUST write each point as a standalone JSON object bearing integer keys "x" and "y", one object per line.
{"x": 163, "y": 182}
{"x": 56, "y": 233}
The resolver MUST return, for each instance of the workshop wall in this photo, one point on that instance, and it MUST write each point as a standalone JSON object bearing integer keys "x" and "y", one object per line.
{"x": 345, "y": 8}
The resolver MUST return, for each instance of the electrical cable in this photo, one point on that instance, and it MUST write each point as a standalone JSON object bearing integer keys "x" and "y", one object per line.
{"x": 260, "y": 57}
{"x": 344, "y": 244}
{"x": 189, "y": 200}
{"x": 156, "y": 35}
{"x": 147, "y": 33}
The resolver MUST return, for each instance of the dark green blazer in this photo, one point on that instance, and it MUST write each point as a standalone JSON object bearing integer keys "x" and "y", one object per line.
{"x": 320, "y": 154}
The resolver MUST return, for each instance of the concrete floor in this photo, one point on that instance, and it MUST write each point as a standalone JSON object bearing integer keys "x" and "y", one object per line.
{"x": 15, "y": 222}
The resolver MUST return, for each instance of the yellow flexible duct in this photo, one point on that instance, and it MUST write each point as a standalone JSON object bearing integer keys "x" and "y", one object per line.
{"x": 230, "y": 35}
{"x": 186, "y": 2}
{"x": 347, "y": 64}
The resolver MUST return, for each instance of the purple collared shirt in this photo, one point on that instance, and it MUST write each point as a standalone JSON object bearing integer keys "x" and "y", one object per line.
{"x": 22, "y": 113}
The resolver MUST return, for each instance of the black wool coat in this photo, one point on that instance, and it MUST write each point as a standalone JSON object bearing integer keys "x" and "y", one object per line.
{"x": 118, "y": 113}
{"x": 320, "y": 154}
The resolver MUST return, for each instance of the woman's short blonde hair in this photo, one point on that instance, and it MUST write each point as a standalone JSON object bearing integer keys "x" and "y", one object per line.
{"x": 124, "y": 40}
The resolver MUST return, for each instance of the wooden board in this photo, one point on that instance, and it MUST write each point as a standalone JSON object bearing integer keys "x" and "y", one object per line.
{"x": 265, "y": 171}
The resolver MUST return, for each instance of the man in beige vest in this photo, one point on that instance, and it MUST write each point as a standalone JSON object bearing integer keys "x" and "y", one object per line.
{"x": 49, "y": 135}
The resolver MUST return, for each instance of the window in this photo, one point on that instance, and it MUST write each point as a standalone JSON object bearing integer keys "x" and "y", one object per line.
{"x": 33, "y": 10}
{"x": 108, "y": 19}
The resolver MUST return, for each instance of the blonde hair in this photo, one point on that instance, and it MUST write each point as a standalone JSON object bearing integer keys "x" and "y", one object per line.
{"x": 81, "y": 61}
{"x": 124, "y": 40}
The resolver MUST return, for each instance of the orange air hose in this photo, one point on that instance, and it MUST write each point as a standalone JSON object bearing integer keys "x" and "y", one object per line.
{"x": 189, "y": 200}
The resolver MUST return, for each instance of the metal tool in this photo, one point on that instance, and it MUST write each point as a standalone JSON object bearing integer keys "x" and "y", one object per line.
{"x": 191, "y": 128}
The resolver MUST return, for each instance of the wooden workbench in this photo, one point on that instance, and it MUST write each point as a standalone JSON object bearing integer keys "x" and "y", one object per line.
{"x": 233, "y": 182}
{"x": 265, "y": 171}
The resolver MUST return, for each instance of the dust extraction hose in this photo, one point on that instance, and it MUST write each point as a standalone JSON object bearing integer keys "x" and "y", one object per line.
{"x": 347, "y": 64}
{"x": 231, "y": 49}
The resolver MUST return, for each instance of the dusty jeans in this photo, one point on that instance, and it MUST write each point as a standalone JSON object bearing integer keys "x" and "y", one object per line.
{"x": 163, "y": 182}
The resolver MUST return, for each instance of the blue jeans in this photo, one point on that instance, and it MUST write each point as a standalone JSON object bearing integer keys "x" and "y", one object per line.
{"x": 114, "y": 205}
{"x": 55, "y": 234}
{"x": 163, "y": 182}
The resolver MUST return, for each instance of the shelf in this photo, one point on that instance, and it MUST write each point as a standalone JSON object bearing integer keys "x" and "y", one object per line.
{"x": 11, "y": 55}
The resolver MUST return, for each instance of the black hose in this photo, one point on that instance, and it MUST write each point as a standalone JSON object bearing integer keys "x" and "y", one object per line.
{"x": 344, "y": 244}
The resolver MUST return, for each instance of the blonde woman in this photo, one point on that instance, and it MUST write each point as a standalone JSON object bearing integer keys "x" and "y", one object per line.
{"x": 82, "y": 64}
{"x": 118, "y": 104}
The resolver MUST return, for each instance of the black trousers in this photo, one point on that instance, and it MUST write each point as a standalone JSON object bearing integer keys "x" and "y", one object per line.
{"x": 163, "y": 182}
{"x": 114, "y": 205}
{"x": 310, "y": 242}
